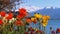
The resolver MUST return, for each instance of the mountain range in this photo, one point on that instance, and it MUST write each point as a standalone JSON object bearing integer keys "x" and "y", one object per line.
{"x": 54, "y": 13}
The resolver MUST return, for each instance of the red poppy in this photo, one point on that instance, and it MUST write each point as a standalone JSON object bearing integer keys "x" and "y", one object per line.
{"x": 10, "y": 15}
{"x": 19, "y": 23}
{"x": 58, "y": 30}
{"x": 1, "y": 22}
{"x": 19, "y": 16}
{"x": 3, "y": 13}
{"x": 23, "y": 12}
{"x": 28, "y": 20}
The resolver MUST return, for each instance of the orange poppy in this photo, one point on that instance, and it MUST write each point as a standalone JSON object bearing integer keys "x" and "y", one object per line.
{"x": 35, "y": 21}
{"x": 19, "y": 23}
{"x": 3, "y": 13}
{"x": 28, "y": 20}
{"x": 39, "y": 31}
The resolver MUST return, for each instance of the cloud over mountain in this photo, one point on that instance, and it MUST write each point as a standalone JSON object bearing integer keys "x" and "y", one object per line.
{"x": 30, "y": 8}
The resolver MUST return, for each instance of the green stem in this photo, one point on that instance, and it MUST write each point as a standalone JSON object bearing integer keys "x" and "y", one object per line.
{"x": 44, "y": 30}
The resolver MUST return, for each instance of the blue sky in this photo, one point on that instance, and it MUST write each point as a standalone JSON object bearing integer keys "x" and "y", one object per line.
{"x": 33, "y": 5}
{"x": 43, "y": 3}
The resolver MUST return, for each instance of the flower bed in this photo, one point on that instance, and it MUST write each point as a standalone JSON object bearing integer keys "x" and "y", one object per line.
{"x": 10, "y": 24}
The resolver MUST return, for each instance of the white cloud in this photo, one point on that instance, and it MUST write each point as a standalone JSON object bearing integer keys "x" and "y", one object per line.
{"x": 48, "y": 7}
{"x": 30, "y": 8}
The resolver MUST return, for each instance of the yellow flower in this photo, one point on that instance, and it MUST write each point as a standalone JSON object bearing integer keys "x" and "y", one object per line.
{"x": 44, "y": 22}
{"x": 38, "y": 16}
{"x": 46, "y": 17}
{"x": 33, "y": 18}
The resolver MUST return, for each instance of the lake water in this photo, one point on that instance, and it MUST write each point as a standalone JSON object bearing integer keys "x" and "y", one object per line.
{"x": 52, "y": 23}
